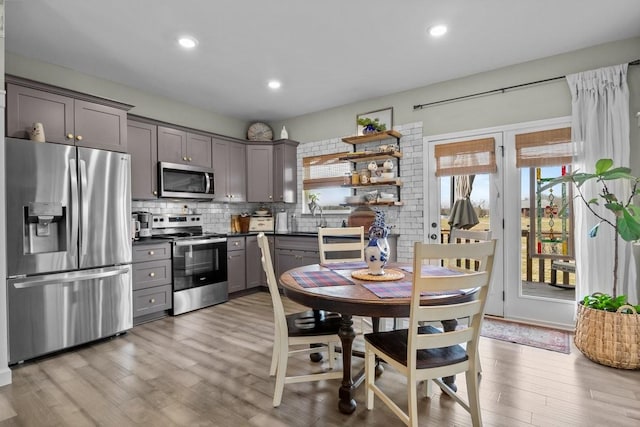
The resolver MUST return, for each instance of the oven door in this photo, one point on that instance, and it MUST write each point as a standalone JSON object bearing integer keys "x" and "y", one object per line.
{"x": 199, "y": 262}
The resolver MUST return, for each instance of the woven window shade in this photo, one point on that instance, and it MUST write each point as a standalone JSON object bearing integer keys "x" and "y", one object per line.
{"x": 544, "y": 148}
{"x": 324, "y": 171}
{"x": 466, "y": 157}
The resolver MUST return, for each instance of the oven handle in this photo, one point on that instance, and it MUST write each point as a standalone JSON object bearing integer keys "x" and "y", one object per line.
{"x": 198, "y": 242}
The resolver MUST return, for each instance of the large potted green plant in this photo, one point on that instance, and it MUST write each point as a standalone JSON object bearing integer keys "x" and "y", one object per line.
{"x": 608, "y": 327}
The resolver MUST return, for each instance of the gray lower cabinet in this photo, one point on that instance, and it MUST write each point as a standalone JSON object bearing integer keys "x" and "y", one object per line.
{"x": 143, "y": 148}
{"x": 236, "y": 274}
{"x": 152, "y": 297}
{"x": 255, "y": 273}
{"x": 295, "y": 251}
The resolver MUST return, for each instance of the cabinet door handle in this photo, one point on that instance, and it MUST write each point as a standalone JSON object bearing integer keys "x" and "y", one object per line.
{"x": 69, "y": 136}
{"x": 155, "y": 193}
{"x": 184, "y": 158}
{"x": 189, "y": 159}
{"x": 152, "y": 274}
{"x": 152, "y": 300}
{"x": 79, "y": 137}
{"x": 270, "y": 197}
{"x": 152, "y": 253}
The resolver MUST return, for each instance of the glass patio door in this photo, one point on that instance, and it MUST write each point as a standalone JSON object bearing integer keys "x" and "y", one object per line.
{"x": 533, "y": 272}
{"x": 479, "y": 193}
{"x": 539, "y": 265}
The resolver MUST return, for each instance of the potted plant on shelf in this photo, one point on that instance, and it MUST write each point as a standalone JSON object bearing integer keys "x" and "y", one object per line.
{"x": 371, "y": 125}
{"x": 608, "y": 327}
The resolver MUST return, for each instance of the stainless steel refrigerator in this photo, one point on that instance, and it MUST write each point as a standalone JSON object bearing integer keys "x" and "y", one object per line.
{"x": 68, "y": 246}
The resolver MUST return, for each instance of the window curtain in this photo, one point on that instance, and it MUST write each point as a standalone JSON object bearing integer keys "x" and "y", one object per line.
{"x": 600, "y": 125}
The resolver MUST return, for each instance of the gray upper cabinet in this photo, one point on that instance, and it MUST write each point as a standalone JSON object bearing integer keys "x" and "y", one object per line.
{"x": 285, "y": 180}
{"x": 178, "y": 146}
{"x": 229, "y": 166}
{"x": 67, "y": 117}
{"x": 272, "y": 172}
{"x": 143, "y": 148}
{"x": 260, "y": 173}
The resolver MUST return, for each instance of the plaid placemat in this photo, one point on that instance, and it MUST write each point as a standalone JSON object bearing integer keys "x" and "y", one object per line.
{"x": 318, "y": 279}
{"x": 432, "y": 270}
{"x": 355, "y": 265}
{"x": 400, "y": 290}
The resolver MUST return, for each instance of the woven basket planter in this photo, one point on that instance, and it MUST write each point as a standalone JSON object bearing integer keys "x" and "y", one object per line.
{"x": 609, "y": 338}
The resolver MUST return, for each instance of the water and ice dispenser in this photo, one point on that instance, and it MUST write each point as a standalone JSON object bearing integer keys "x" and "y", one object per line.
{"x": 44, "y": 227}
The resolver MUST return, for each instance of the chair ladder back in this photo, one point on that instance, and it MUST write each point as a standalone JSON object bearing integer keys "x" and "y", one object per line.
{"x": 353, "y": 243}
{"x": 458, "y": 235}
{"x": 483, "y": 253}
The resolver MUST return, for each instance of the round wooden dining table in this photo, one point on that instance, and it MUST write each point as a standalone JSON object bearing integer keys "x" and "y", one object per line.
{"x": 354, "y": 298}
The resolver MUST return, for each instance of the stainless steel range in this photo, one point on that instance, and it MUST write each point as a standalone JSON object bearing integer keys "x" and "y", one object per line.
{"x": 199, "y": 261}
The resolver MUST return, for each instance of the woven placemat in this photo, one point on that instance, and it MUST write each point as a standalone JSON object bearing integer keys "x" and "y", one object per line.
{"x": 388, "y": 275}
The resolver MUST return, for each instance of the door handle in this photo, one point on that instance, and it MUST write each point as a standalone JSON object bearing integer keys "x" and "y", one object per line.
{"x": 73, "y": 177}
{"x": 84, "y": 200}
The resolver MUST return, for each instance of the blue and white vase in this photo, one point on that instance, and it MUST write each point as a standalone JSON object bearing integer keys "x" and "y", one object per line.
{"x": 376, "y": 254}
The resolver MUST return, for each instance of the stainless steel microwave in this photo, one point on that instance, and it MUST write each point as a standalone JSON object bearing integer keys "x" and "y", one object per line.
{"x": 178, "y": 181}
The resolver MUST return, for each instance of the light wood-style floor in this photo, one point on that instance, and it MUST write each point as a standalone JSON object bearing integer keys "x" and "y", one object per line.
{"x": 210, "y": 368}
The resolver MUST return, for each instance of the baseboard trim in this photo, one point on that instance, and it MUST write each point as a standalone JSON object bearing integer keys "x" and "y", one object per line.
{"x": 5, "y": 376}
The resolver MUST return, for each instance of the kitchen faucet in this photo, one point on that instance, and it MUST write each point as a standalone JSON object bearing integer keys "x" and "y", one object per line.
{"x": 312, "y": 207}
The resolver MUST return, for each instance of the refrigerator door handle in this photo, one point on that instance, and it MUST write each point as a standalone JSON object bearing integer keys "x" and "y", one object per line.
{"x": 84, "y": 232}
{"x": 56, "y": 279}
{"x": 73, "y": 178}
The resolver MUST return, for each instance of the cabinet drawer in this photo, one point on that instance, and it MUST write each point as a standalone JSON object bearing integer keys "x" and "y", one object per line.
{"x": 235, "y": 243}
{"x": 151, "y": 252}
{"x": 151, "y": 273}
{"x": 151, "y": 300}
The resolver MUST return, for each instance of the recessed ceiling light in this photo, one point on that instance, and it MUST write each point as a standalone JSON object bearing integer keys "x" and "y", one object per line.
{"x": 437, "y": 30}
{"x": 187, "y": 42}
{"x": 274, "y": 84}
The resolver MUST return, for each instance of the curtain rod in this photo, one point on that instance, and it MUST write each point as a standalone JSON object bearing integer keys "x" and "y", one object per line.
{"x": 493, "y": 91}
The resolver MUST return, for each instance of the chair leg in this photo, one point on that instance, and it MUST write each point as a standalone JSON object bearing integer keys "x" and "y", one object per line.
{"x": 413, "y": 402}
{"x": 274, "y": 356}
{"x": 332, "y": 354}
{"x": 369, "y": 374}
{"x": 474, "y": 398}
{"x": 281, "y": 372}
{"x": 428, "y": 388}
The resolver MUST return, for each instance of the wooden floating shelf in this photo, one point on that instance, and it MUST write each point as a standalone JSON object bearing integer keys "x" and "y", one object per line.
{"x": 359, "y": 157}
{"x": 395, "y": 182}
{"x": 378, "y": 136}
{"x": 374, "y": 204}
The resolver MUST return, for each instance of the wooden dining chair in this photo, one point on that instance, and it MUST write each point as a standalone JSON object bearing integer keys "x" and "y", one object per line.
{"x": 295, "y": 330}
{"x": 457, "y": 235}
{"x": 424, "y": 352}
{"x": 349, "y": 247}
{"x": 347, "y": 250}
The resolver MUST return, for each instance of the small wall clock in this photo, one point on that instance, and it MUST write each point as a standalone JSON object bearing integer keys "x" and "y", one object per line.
{"x": 260, "y": 132}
